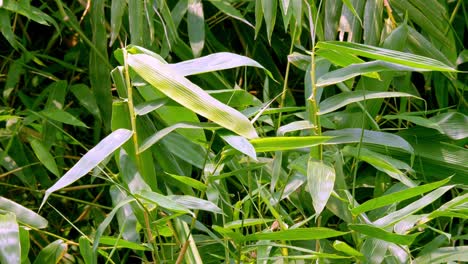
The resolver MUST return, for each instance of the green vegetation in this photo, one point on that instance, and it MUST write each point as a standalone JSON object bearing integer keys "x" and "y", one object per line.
{"x": 233, "y": 131}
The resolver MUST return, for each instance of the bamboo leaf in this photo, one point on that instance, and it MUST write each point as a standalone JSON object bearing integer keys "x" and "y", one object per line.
{"x": 380, "y": 233}
{"x": 296, "y": 234}
{"x": 353, "y": 135}
{"x": 320, "y": 182}
{"x": 444, "y": 255}
{"x": 214, "y": 62}
{"x": 397, "y": 197}
{"x": 23, "y": 214}
{"x": 90, "y": 160}
{"x": 365, "y": 68}
{"x": 190, "y": 182}
{"x": 186, "y": 93}
{"x": 195, "y": 203}
{"x": 153, "y": 139}
{"x": 269, "y": 13}
{"x": 45, "y": 157}
{"x": 228, "y": 9}
{"x": 239, "y": 143}
{"x": 392, "y": 56}
{"x": 196, "y": 26}
{"x": 52, "y": 253}
{"x": 287, "y": 143}
{"x": 10, "y": 247}
{"x": 62, "y": 117}
{"x": 413, "y": 207}
{"x": 117, "y": 12}
{"x": 342, "y": 99}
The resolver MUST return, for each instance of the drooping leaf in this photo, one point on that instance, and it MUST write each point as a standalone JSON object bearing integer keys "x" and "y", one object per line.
{"x": 90, "y": 160}
{"x": 397, "y": 197}
{"x": 287, "y": 143}
{"x": 196, "y": 26}
{"x": 396, "y": 57}
{"x": 44, "y": 156}
{"x": 10, "y": 247}
{"x": 62, "y": 117}
{"x": 186, "y": 93}
{"x": 239, "y": 143}
{"x": 342, "y": 99}
{"x": 353, "y": 135}
{"x": 296, "y": 234}
{"x": 320, "y": 182}
{"x": 195, "y": 203}
{"x": 380, "y": 233}
{"x": 23, "y": 214}
{"x": 228, "y": 9}
{"x": 444, "y": 255}
{"x": 214, "y": 62}
{"x": 52, "y": 253}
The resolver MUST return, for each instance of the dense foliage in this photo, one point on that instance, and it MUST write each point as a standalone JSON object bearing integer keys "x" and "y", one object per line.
{"x": 243, "y": 131}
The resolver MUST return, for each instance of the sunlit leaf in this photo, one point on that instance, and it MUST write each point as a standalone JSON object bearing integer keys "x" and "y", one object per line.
{"x": 10, "y": 249}
{"x": 444, "y": 255}
{"x": 23, "y": 214}
{"x": 320, "y": 182}
{"x": 186, "y": 93}
{"x": 380, "y": 233}
{"x": 287, "y": 143}
{"x": 401, "y": 58}
{"x": 296, "y": 234}
{"x": 90, "y": 160}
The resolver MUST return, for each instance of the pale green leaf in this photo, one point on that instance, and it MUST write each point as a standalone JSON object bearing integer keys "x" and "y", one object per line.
{"x": 23, "y": 214}
{"x": 392, "y": 56}
{"x": 228, "y": 9}
{"x": 345, "y": 248}
{"x": 52, "y": 253}
{"x": 214, "y": 62}
{"x": 365, "y": 68}
{"x": 247, "y": 222}
{"x": 320, "y": 182}
{"x": 10, "y": 247}
{"x": 380, "y": 233}
{"x": 90, "y": 160}
{"x": 287, "y": 143}
{"x": 444, "y": 255}
{"x": 353, "y": 135}
{"x": 62, "y": 117}
{"x": 153, "y": 139}
{"x": 121, "y": 243}
{"x": 196, "y": 26}
{"x": 189, "y": 181}
{"x": 342, "y": 99}
{"x": 397, "y": 197}
{"x": 239, "y": 143}
{"x": 186, "y": 93}
{"x": 413, "y": 207}
{"x": 163, "y": 201}
{"x": 312, "y": 233}
{"x": 195, "y": 203}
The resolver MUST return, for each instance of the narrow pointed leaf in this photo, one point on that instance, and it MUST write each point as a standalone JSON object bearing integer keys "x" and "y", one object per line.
{"x": 90, "y": 160}
{"x": 342, "y": 99}
{"x": 397, "y": 197}
{"x": 186, "y": 93}
{"x": 214, "y": 62}
{"x": 239, "y": 143}
{"x": 163, "y": 201}
{"x": 228, "y": 9}
{"x": 353, "y": 135}
{"x": 44, "y": 156}
{"x": 365, "y": 68}
{"x": 397, "y": 57}
{"x": 296, "y": 234}
{"x": 269, "y": 13}
{"x": 189, "y": 181}
{"x": 196, "y": 26}
{"x": 52, "y": 253}
{"x": 195, "y": 203}
{"x": 153, "y": 139}
{"x": 23, "y": 214}
{"x": 10, "y": 247}
{"x": 62, "y": 117}
{"x": 380, "y": 233}
{"x": 444, "y": 255}
{"x": 320, "y": 182}
{"x": 287, "y": 143}
{"x": 413, "y": 207}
